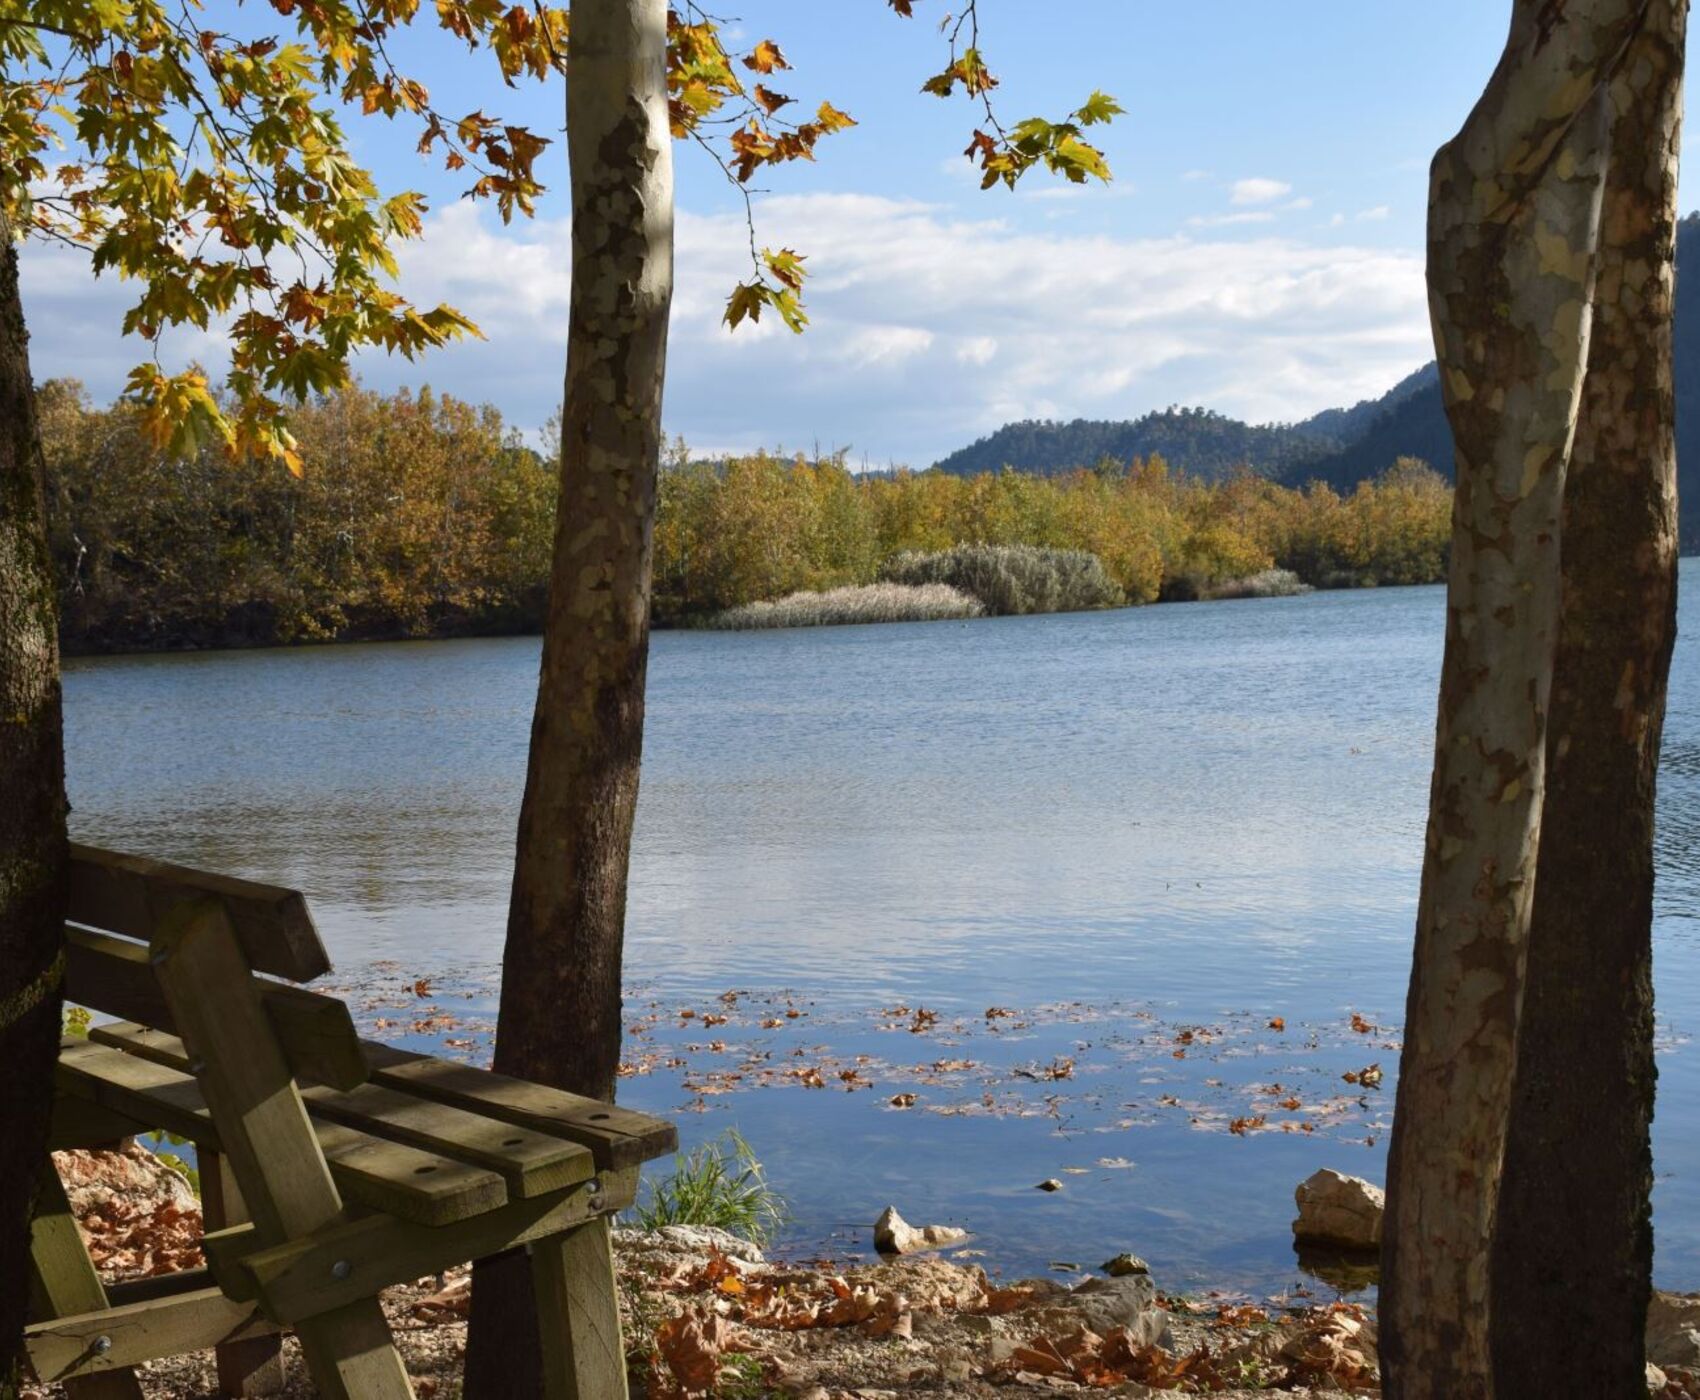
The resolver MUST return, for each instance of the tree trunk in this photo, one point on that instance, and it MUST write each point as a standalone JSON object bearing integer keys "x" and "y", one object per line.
{"x": 560, "y": 1008}
{"x": 32, "y": 813}
{"x": 1514, "y": 209}
{"x": 1573, "y": 1248}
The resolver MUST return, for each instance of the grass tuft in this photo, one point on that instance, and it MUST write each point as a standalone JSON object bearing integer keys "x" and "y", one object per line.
{"x": 837, "y": 607}
{"x": 721, "y": 1184}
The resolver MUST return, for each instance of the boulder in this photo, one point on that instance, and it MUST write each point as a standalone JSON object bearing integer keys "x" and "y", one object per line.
{"x": 895, "y": 1235}
{"x": 1101, "y": 1305}
{"x": 138, "y": 1216}
{"x": 1124, "y": 1264}
{"x": 1673, "y": 1330}
{"x": 1335, "y": 1209}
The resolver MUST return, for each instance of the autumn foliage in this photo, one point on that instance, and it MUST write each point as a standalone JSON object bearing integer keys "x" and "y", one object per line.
{"x": 418, "y": 514}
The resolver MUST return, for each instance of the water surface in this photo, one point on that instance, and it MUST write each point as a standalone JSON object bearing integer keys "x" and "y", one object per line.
{"x": 1121, "y": 826}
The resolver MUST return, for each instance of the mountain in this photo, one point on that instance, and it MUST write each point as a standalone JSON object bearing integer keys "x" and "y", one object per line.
{"x": 1194, "y": 440}
{"x": 1341, "y": 446}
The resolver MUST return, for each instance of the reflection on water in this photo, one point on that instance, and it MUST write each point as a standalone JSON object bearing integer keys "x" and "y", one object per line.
{"x": 1204, "y": 809}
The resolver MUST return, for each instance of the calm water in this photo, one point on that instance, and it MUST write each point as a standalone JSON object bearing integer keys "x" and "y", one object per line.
{"x": 1120, "y": 826}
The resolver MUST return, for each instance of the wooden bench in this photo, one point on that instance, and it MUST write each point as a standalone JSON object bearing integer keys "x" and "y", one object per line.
{"x": 332, "y": 1167}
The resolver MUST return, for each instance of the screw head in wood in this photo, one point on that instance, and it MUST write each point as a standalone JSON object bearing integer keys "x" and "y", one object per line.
{"x": 341, "y": 1269}
{"x": 102, "y": 1345}
{"x": 594, "y": 1186}
{"x": 159, "y": 955}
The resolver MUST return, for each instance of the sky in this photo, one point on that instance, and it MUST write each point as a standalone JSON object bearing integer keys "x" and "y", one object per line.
{"x": 1259, "y": 251}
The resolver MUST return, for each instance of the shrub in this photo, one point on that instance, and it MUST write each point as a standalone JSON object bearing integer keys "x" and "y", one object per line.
{"x": 1012, "y": 579}
{"x": 721, "y": 1184}
{"x": 873, "y": 602}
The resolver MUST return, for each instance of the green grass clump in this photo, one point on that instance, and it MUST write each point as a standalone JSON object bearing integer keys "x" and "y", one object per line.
{"x": 721, "y": 1184}
{"x": 1015, "y": 578}
{"x": 838, "y": 607}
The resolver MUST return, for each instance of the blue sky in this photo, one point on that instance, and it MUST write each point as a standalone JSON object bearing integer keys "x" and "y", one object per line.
{"x": 1260, "y": 251}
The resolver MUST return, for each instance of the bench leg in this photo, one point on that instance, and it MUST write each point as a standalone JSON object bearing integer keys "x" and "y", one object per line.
{"x": 578, "y": 1314}
{"x": 351, "y": 1355}
{"x": 63, "y": 1283}
{"x": 253, "y": 1367}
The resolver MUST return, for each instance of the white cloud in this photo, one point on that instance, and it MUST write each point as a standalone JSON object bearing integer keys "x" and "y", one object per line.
{"x": 1250, "y": 216}
{"x": 1193, "y": 176}
{"x": 1337, "y": 221}
{"x": 927, "y": 328}
{"x": 1257, "y": 190}
{"x": 1302, "y": 202}
{"x": 1379, "y": 212}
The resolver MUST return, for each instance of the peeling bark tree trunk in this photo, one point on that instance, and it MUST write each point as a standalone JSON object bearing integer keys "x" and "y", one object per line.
{"x": 32, "y": 813}
{"x": 560, "y": 1007}
{"x": 1514, "y": 208}
{"x": 1573, "y": 1248}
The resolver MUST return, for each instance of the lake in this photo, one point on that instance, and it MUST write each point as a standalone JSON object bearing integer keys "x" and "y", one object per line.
{"x": 1174, "y": 851}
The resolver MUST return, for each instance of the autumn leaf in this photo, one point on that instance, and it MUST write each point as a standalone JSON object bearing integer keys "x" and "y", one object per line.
{"x": 765, "y": 57}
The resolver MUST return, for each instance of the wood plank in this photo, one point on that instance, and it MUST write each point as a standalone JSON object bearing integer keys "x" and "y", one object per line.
{"x": 389, "y": 1176}
{"x": 113, "y": 975}
{"x": 297, "y": 1279}
{"x": 246, "y": 1367}
{"x": 617, "y": 1136}
{"x": 79, "y": 1123}
{"x": 578, "y": 1314}
{"x": 63, "y": 1282}
{"x": 129, "y": 894}
{"x": 113, "y": 1339}
{"x": 531, "y": 1163}
{"x": 264, "y": 1130}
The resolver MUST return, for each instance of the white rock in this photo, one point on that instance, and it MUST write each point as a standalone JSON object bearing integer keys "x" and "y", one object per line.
{"x": 1673, "y": 1329}
{"x": 1103, "y": 1304}
{"x": 1340, "y": 1210}
{"x": 895, "y": 1235}
{"x": 1656, "y": 1379}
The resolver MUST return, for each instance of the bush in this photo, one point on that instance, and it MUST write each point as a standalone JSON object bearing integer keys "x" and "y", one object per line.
{"x": 1011, "y": 579}
{"x": 874, "y": 602}
{"x": 721, "y": 1184}
{"x": 1267, "y": 583}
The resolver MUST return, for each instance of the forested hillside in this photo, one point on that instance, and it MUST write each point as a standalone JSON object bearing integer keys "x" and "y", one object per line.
{"x": 1340, "y": 446}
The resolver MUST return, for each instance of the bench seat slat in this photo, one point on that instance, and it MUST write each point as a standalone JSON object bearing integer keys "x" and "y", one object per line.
{"x": 387, "y": 1176}
{"x": 128, "y": 894}
{"x": 618, "y": 1136}
{"x": 112, "y": 975}
{"x": 532, "y": 1163}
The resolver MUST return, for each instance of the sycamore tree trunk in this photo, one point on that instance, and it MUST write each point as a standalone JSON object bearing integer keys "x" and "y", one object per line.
{"x": 1573, "y": 1248}
{"x": 560, "y": 1008}
{"x": 1514, "y": 209}
{"x": 32, "y": 813}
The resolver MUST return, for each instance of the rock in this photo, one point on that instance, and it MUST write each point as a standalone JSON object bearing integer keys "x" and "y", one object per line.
{"x": 690, "y": 1239}
{"x": 1124, "y": 1264}
{"x": 1656, "y": 1379}
{"x": 138, "y": 1217}
{"x": 895, "y": 1235}
{"x": 1103, "y": 1304}
{"x": 1050, "y": 1183}
{"x": 1340, "y": 1210}
{"x": 131, "y": 1174}
{"x": 1673, "y": 1330}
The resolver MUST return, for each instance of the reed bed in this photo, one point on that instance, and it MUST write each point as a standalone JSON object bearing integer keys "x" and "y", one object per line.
{"x": 1267, "y": 583}
{"x": 1012, "y": 579}
{"x": 842, "y": 607}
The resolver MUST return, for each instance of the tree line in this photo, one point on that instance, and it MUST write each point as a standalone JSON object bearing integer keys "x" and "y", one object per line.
{"x": 419, "y": 514}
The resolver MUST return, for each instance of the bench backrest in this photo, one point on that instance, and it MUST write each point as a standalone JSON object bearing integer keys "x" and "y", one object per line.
{"x": 117, "y": 904}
